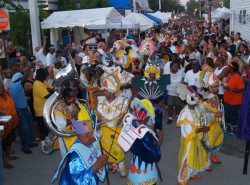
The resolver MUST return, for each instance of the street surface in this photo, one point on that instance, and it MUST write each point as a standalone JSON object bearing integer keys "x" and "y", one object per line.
{"x": 38, "y": 169}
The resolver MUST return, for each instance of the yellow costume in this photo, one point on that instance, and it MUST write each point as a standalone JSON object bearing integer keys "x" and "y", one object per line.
{"x": 111, "y": 114}
{"x": 215, "y": 134}
{"x": 192, "y": 155}
{"x": 63, "y": 111}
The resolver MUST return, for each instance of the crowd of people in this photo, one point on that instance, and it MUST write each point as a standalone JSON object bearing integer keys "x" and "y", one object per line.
{"x": 194, "y": 73}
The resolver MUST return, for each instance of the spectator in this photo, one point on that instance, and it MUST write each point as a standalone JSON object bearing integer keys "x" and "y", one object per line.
{"x": 28, "y": 88}
{"x": 7, "y": 107}
{"x": 41, "y": 92}
{"x": 221, "y": 71}
{"x": 192, "y": 77}
{"x": 233, "y": 97}
{"x": 7, "y": 80}
{"x": 12, "y": 50}
{"x": 232, "y": 46}
{"x": 26, "y": 124}
{"x": 40, "y": 53}
{"x": 2, "y": 55}
{"x": 50, "y": 58}
{"x": 173, "y": 98}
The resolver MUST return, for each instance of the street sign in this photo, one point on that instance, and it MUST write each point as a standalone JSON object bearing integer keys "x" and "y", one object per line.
{"x": 4, "y": 20}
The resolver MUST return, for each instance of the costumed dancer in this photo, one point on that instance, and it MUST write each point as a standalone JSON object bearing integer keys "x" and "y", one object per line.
{"x": 92, "y": 77}
{"x": 146, "y": 49}
{"x": 123, "y": 64}
{"x": 84, "y": 162}
{"x": 145, "y": 146}
{"x": 152, "y": 87}
{"x": 111, "y": 109}
{"x": 192, "y": 155}
{"x": 64, "y": 111}
{"x": 210, "y": 109}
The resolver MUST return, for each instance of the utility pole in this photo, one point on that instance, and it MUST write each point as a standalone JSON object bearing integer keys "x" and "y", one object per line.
{"x": 35, "y": 24}
{"x": 134, "y": 6}
{"x": 160, "y": 5}
{"x": 210, "y": 12}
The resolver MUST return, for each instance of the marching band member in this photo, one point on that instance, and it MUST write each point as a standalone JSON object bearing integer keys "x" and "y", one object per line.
{"x": 64, "y": 111}
{"x": 192, "y": 155}
{"x": 92, "y": 77}
{"x": 111, "y": 109}
{"x": 84, "y": 163}
{"x": 211, "y": 109}
{"x": 146, "y": 149}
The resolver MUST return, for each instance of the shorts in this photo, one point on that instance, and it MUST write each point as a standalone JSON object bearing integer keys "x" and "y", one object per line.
{"x": 174, "y": 100}
{"x": 13, "y": 61}
{"x": 42, "y": 127}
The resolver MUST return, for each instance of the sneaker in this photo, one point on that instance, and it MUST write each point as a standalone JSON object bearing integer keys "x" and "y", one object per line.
{"x": 123, "y": 174}
{"x": 27, "y": 151}
{"x": 48, "y": 143}
{"x": 169, "y": 121}
{"x": 45, "y": 150}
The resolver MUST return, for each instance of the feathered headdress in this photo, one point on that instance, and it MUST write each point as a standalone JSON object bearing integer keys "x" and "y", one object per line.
{"x": 145, "y": 104}
{"x": 188, "y": 93}
{"x": 112, "y": 83}
{"x": 147, "y": 47}
{"x": 208, "y": 78}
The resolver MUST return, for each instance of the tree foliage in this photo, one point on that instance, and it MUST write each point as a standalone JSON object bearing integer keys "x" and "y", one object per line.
{"x": 191, "y": 6}
{"x": 227, "y": 4}
{"x": 20, "y": 28}
{"x": 85, "y": 4}
{"x": 167, "y": 5}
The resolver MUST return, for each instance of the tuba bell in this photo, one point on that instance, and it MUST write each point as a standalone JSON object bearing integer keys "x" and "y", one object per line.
{"x": 66, "y": 76}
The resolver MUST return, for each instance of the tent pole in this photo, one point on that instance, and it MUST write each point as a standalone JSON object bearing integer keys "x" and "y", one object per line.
{"x": 106, "y": 33}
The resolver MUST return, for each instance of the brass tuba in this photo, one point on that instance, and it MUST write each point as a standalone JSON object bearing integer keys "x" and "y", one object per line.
{"x": 67, "y": 75}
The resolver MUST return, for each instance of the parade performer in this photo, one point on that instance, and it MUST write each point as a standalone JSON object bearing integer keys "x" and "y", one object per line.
{"x": 84, "y": 162}
{"x": 152, "y": 87}
{"x": 91, "y": 77}
{"x": 123, "y": 63}
{"x": 111, "y": 109}
{"x": 64, "y": 111}
{"x": 212, "y": 113}
{"x": 138, "y": 136}
{"x": 192, "y": 155}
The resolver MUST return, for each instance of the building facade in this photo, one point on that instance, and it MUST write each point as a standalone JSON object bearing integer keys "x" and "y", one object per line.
{"x": 52, "y": 4}
{"x": 240, "y": 18}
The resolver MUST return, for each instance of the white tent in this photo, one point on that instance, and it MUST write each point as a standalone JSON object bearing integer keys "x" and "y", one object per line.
{"x": 223, "y": 13}
{"x": 164, "y": 18}
{"x": 82, "y": 18}
{"x": 144, "y": 22}
{"x": 124, "y": 24}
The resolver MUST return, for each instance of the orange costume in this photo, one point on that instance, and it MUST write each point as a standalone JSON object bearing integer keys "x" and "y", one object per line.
{"x": 8, "y": 106}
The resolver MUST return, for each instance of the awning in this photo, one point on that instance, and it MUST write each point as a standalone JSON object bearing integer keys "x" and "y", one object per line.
{"x": 153, "y": 18}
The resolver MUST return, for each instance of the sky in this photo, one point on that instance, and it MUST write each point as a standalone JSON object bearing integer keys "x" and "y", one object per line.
{"x": 183, "y": 2}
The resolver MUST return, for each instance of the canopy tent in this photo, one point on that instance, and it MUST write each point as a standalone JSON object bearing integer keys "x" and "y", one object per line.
{"x": 153, "y": 18}
{"x": 124, "y": 24}
{"x": 169, "y": 14}
{"x": 163, "y": 16}
{"x": 223, "y": 13}
{"x": 82, "y": 18}
{"x": 144, "y": 22}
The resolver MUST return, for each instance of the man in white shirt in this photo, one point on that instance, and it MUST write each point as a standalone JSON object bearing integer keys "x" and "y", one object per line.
{"x": 39, "y": 53}
{"x": 51, "y": 58}
{"x": 192, "y": 77}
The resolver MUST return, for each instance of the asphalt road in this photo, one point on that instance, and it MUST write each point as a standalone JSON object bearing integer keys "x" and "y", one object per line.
{"x": 38, "y": 169}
